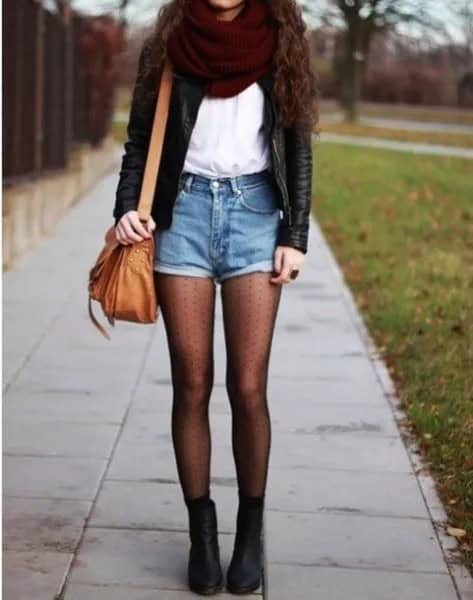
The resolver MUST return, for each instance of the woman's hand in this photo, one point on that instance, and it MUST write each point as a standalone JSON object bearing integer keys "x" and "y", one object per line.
{"x": 286, "y": 259}
{"x": 130, "y": 229}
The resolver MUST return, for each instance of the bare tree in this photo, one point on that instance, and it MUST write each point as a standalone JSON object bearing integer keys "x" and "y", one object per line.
{"x": 360, "y": 21}
{"x": 462, "y": 13}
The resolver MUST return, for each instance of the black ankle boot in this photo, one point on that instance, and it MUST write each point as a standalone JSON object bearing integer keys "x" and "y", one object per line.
{"x": 245, "y": 569}
{"x": 204, "y": 570}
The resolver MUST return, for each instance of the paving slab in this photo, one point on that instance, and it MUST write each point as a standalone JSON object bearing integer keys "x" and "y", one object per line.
{"x": 354, "y": 541}
{"x": 133, "y": 461}
{"x": 57, "y": 438}
{"x": 306, "y": 393}
{"x": 52, "y": 477}
{"x": 39, "y": 575}
{"x": 43, "y": 524}
{"x": 156, "y": 398}
{"x": 53, "y": 378}
{"x": 346, "y": 492}
{"x": 330, "y": 419}
{"x": 324, "y": 368}
{"x": 306, "y": 452}
{"x": 77, "y": 383}
{"x": 300, "y": 583}
{"x": 67, "y": 408}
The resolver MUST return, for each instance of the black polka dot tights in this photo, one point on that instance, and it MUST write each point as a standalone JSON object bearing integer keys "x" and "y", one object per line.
{"x": 250, "y": 303}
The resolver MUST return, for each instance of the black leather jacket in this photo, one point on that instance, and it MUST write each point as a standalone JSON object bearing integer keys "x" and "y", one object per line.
{"x": 291, "y": 155}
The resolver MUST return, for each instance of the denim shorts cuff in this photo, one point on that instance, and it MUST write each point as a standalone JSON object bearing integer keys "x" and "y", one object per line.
{"x": 265, "y": 265}
{"x": 176, "y": 270}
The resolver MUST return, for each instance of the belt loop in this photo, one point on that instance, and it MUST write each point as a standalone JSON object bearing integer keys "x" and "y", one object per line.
{"x": 234, "y": 184}
{"x": 188, "y": 182}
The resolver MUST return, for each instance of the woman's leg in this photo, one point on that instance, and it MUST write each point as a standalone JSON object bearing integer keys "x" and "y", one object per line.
{"x": 250, "y": 304}
{"x": 187, "y": 305}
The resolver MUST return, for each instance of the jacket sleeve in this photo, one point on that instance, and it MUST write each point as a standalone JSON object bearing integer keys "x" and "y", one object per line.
{"x": 136, "y": 147}
{"x": 299, "y": 185}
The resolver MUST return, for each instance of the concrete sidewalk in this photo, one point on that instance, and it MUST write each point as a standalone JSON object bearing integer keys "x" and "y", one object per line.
{"x": 92, "y": 508}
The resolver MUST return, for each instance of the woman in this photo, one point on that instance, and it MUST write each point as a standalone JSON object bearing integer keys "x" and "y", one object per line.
{"x": 232, "y": 206}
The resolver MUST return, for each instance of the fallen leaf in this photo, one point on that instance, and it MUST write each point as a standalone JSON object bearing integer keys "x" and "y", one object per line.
{"x": 456, "y": 532}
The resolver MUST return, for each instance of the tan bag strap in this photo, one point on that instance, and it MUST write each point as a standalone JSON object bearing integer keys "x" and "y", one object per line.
{"x": 153, "y": 158}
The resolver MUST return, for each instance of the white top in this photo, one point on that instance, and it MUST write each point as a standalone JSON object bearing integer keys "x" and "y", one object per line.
{"x": 228, "y": 139}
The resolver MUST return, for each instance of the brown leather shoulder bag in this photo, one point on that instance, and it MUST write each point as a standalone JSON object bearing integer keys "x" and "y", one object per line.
{"x": 122, "y": 278}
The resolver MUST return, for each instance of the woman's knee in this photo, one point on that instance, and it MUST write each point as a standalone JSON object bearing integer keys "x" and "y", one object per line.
{"x": 248, "y": 394}
{"x": 194, "y": 386}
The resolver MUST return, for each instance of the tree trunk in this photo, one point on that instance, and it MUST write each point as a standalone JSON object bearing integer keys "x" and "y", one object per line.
{"x": 354, "y": 85}
{"x": 358, "y": 42}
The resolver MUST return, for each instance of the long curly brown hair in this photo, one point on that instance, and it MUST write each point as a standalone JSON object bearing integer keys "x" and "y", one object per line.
{"x": 295, "y": 83}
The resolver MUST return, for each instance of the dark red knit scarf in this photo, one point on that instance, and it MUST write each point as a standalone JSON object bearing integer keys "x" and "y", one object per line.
{"x": 228, "y": 55}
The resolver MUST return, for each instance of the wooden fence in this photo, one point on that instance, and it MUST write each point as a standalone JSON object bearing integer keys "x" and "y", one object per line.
{"x": 60, "y": 72}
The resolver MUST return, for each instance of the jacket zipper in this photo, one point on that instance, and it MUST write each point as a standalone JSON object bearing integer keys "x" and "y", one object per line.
{"x": 285, "y": 200}
{"x": 275, "y": 149}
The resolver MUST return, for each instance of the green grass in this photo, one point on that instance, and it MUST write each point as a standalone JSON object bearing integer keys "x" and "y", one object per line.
{"x": 402, "y": 229}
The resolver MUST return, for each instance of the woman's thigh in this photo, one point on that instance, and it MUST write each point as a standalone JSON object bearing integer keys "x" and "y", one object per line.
{"x": 187, "y": 306}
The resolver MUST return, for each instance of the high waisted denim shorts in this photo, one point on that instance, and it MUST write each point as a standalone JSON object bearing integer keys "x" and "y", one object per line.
{"x": 221, "y": 227}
